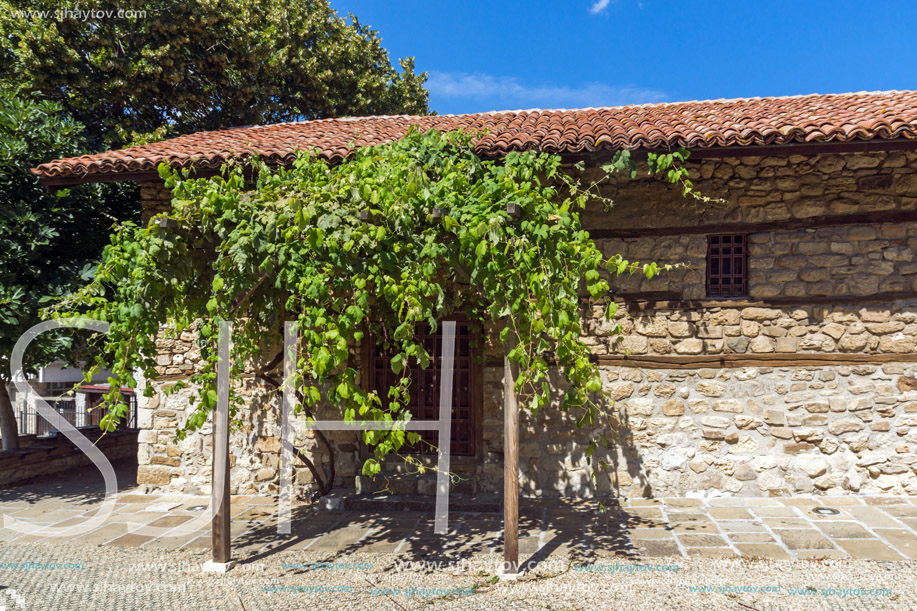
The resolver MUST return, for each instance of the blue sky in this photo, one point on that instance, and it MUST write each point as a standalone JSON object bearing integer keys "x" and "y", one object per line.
{"x": 499, "y": 55}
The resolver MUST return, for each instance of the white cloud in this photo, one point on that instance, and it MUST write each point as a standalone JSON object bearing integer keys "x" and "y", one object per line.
{"x": 599, "y": 6}
{"x": 508, "y": 93}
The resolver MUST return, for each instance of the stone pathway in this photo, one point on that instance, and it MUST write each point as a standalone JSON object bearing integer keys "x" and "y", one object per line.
{"x": 870, "y": 528}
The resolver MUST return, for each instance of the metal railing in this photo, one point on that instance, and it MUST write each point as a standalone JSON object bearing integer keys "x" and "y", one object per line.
{"x": 84, "y": 409}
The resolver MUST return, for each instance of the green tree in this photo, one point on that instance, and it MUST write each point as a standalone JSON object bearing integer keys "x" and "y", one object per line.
{"x": 49, "y": 242}
{"x": 177, "y": 66}
{"x": 152, "y": 70}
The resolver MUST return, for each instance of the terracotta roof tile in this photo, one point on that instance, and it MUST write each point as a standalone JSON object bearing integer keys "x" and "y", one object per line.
{"x": 717, "y": 123}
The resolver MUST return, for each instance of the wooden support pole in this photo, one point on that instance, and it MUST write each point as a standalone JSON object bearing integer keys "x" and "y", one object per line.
{"x": 510, "y": 473}
{"x": 222, "y": 550}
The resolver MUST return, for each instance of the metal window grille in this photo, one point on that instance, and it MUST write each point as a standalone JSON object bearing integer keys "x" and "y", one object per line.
{"x": 726, "y": 265}
{"x": 424, "y": 391}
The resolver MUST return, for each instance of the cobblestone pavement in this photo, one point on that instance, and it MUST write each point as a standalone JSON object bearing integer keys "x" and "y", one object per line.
{"x": 852, "y": 552}
{"x": 114, "y": 578}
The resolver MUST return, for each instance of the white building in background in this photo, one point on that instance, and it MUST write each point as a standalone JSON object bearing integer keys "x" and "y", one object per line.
{"x": 55, "y": 384}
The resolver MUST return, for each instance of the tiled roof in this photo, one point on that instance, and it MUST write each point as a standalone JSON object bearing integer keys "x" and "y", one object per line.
{"x": 748, "y": 122}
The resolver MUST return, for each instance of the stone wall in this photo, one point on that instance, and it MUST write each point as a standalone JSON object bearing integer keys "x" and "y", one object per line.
{"x": 167, "y": 464}
{"x": 850, "y": 260}
{"x": 744, "y": 189}
{"x": 762, "y": 189}
{"x": 154, "y": 198}
{"x": 51, "y": 455}
{"x": 754, "y": 430}
{"x": 841, "y": 260}
{"x": 750, "y": 431}
{"x": 721, "y": 329}
{"x": 764, "y": 430}
{"x": 687, "y": 252}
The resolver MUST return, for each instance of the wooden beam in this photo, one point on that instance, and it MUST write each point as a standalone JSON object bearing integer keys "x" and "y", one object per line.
{"x": 720, "y": 361}
{"x": 728, "y": 361}
{"x": 646, "y": 296}
{"x": 510, "y": 472}
{"x": 647, "y": 301}
{"x": 833, "y": 220}
{"x": 807, "y": 149}
{"x": 56, "y": 182}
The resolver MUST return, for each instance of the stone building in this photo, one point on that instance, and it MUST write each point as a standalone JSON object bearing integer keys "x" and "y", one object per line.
{"x": 779, "y": 360}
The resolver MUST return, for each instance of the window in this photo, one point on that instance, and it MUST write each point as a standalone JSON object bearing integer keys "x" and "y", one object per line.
{"x": 55, "y": 389}
{"x": 424, "y": 401}
{"x": 726, "y": 265}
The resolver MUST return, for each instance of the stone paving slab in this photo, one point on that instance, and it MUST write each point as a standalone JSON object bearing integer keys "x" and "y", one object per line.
{"x": 869, "y": 527}
{"x": 875, "y": 528}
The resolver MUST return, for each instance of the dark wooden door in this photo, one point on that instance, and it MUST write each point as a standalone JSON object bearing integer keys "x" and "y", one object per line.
{"x": 425, "y": 383}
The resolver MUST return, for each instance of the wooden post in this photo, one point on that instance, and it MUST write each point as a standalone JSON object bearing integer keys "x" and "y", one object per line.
{"x": 510, "y": 473}
{"x": 222, "y": 550}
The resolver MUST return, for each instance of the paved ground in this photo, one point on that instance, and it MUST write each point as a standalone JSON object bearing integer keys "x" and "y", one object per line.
{"x": 762, "y": 553}
{"x": 872, "y": 528}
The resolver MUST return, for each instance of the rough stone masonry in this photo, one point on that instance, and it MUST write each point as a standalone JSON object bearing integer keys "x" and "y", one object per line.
{"x": 807, "y": 384}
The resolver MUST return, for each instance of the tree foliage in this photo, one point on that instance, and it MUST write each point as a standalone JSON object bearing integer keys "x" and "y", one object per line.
{"x": 143, "y": 72}
{"x": 400, "y": 235}
{"x": 163, "y": 67}
{"x": 49, "y": 242}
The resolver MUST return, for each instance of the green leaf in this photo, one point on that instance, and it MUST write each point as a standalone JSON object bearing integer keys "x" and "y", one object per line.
{"x": 397, "y": 363}
{"x": 371, "y": 467}
{"x": 108, "y": 423}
